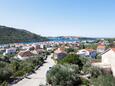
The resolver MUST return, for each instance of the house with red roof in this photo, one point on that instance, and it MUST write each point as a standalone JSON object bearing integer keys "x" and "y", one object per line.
{"x": 101, "y": 48}
{"x": 23, "y": 55}
{"x": 59, "y": 53}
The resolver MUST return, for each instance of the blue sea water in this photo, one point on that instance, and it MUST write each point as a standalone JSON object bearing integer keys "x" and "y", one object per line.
{"x": 64, "y": 39}
{"x": 57, "y": 40}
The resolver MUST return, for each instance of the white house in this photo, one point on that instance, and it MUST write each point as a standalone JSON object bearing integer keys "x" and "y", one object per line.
{"x": 87, "y": 52}
{"x": 49, "y": 48}
{"x": 83, "y": 52}
{"x": 10, "y": 51}
{"x": 108, "y": 60}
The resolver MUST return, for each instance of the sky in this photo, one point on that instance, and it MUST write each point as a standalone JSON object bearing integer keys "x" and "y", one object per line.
{"x": 89, "y": 18}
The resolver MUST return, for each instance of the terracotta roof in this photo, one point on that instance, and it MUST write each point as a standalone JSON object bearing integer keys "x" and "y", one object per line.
{"x": 25, "y": 53}
{"x": 89, "y": 49}
{"x": 113, "y": 49}
{"x": 59, "y": 50}
{"x": 101, "y": 46}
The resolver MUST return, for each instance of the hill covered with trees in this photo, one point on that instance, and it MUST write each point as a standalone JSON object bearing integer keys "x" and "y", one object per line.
{"x": 13, "y": 35}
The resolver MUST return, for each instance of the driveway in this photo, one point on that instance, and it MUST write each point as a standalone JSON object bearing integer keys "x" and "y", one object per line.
{"x": 39, "y": 77}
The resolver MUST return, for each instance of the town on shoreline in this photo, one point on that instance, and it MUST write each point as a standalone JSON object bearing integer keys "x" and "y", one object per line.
{"x": 101, "y": 53}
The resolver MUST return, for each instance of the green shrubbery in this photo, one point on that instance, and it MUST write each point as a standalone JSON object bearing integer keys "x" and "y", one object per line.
{"x": 72, "y": 59}
{"x": 61, "y": 75}
{"x": 17, "y": 68}
{"x": 4, "y": 83}
{"x": 5, "y": 71}
{"x": 22, "y": 67}
{"x": 74, "y": 71}
{"x": 69, "y": 50}
{"x": 64, "y": 75}
{"x": 103, "y": 80}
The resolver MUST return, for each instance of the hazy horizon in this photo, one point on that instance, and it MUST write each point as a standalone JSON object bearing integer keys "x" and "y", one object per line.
{"x": 87, "y": 18}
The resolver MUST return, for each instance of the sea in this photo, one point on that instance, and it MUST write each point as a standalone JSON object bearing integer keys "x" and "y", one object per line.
{"x": 64, "y": 39}
{"x": 57, "y": 39}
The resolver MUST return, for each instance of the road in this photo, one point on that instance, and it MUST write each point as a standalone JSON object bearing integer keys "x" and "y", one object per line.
{"x": 39, "y": 77}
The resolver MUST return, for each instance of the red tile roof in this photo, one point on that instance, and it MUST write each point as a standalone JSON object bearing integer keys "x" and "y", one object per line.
{"x": 101, "y": 46}
{"x": 25, "y": 53}
{"x": 59, "y": 50}
{"x": 113, "y": 49}
{"x": 89, "y": 49}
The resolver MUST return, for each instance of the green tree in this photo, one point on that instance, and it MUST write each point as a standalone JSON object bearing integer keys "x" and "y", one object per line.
{"x": 70, "y": 50}
{"x": 5, "y": 71}
{"x": 4, "y": 83}
{"x": 72, "y": 59}
{"x": 64, "y": 75}
{"x": 104, "y": 80}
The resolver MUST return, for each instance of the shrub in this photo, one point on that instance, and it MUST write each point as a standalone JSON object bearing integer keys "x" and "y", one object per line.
{"x": 70, "y": 50}
{"x": 19, "y": 73}
{"x": 4, "y": 83}
{"x": 72, "y": 59}
{"x": 15, "y": 66}
{"x": 5, "y": 71}
{"x": 104, "y": 80}
{"x": 64, "y": 75}
{"x": 95, "y": 72}
{"x": 85, "y": 82}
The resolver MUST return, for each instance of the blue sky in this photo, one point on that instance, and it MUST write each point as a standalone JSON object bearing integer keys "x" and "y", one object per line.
{"x": 95, "y": 18}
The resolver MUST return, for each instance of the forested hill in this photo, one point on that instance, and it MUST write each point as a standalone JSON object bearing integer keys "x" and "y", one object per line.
{"x": 13, "y": 35}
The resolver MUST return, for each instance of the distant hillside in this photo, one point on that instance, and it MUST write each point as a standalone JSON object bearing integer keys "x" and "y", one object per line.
{"x": 87, "y": 38}
{"x": 12, "y": 35}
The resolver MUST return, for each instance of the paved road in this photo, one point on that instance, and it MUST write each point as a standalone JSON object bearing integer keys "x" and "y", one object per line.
{"x": 39, "y": 77}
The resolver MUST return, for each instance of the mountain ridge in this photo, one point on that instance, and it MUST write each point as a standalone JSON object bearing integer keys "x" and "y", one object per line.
{"x": 14, "y": 35}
